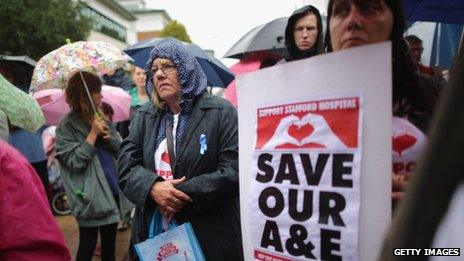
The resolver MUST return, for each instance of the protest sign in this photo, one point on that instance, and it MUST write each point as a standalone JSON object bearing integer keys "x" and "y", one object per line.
{"x": 315, "y": 157}
{"x": 307, "y": 163}
{"x": 407, "y": 144}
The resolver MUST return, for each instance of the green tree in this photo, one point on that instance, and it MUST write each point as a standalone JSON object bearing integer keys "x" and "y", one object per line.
{"x": 34, "y": 28}
{"x": 176, "y": 30}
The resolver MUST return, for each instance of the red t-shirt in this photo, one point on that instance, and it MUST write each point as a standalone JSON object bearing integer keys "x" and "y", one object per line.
{"x": 426, "y": 69}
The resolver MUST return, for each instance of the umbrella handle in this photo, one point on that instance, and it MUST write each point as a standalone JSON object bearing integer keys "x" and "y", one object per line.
{"x": 88, "y": 94}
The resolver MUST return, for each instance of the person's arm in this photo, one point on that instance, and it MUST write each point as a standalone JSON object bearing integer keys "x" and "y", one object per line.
{"x": 134, "y": 179}
{"x": 142, "y": 186}
{"x": 399, "y": 186}
{"x": 75, "y": 154}
{"x": 209, "y": 190}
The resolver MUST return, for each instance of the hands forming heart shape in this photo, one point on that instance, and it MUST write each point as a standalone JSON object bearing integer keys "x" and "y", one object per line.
{"x": 311, "y": 131}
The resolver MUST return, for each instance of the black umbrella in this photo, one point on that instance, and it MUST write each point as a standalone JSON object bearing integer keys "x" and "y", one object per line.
{"x": 444, "y": 11}
{"x": 217, "y": 74}
{"x": 266, "y": 37}
{"x": 21, "y": 68}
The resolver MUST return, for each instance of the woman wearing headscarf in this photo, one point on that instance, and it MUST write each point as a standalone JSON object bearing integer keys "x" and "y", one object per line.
{"x": 180, "y": 157}
{"x": 352, "y": 23}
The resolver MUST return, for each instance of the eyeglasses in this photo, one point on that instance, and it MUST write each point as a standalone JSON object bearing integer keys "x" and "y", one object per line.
{"x": 166, "y": 69}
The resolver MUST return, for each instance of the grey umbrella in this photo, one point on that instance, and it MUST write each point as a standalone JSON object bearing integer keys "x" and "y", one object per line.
{"x": 266, "y": 37}
{"x": 21, "y": 67}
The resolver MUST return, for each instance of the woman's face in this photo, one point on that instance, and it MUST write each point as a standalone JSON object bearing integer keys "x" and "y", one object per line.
{"x": 139, "y": 77}
{"x": 359, "y": 22}
{"x": 166, "y": 79}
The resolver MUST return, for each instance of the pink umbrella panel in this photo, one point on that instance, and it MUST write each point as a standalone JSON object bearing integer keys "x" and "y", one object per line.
{"x": 54, "y": 106}
{"x": 250, "y": 63}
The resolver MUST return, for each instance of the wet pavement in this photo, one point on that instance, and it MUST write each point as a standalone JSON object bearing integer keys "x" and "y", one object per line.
{"x": 70, "y": 231}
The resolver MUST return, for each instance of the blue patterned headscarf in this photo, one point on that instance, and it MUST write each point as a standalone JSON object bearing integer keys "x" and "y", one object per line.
{"x": 191, "y": 78}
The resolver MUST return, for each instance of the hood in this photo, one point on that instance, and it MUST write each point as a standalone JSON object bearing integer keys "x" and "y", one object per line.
{"x": 292, "y": 51}
{"x": 191, "y": 77}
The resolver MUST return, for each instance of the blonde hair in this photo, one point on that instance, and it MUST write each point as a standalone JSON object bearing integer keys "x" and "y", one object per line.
{"x": 158, "y": 102}
{"x": 130, "y": 68}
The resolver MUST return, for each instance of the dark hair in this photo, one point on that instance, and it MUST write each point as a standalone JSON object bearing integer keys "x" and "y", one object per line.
{"x": 292, "y": 51}
{"x": 77, "y": 97}
{"x": 412, "y": 39}
{"x": 107, "y": 111}
{"x": 410, "y": 97}
{"x": 399, "y": 22}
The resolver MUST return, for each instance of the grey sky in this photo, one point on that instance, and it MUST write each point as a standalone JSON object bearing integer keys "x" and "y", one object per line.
{"x": 218, "y": 24}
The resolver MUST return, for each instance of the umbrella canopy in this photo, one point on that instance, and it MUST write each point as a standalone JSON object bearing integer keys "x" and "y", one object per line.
{"x": 269, "y": 36}
{"x": 54, "y": 106}
{"x": 250, "y": 63}
{"x": 217, "y": 74}
{"x": 54, "y": 69}
{"x": 440, "y": 41}
{"x": 21, "y": 109}
{"x": 445, "y": 11}
{"x": 21, "y": 68}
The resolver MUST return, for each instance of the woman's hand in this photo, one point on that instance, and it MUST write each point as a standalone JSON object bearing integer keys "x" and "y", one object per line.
{"x": 399, "y": 185}
{"x": 98, "y": 128}
{"x": 169, "y": 199}
{"x": 104, "y": 131}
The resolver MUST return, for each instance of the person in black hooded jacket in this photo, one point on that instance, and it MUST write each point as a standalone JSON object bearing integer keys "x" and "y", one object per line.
{"x": 303, "y": 34}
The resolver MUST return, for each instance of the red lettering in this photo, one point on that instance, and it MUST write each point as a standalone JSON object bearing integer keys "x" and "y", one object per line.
{"x": 397, "y": 167}
{"x": 400, "y": 167}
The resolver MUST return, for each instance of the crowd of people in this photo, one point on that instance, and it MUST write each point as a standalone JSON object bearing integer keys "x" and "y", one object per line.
{"x": 179, "y": 155}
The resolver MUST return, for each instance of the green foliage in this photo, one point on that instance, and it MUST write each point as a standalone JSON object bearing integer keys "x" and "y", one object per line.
{"x": 36, "y": 27}
{"x": 176, "y": 30}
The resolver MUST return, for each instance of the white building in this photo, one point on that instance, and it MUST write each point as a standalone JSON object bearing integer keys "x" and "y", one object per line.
{"x": 123, "y": 22}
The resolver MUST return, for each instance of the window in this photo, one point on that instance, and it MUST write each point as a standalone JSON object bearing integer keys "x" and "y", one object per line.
{"x": 103, "y": 24}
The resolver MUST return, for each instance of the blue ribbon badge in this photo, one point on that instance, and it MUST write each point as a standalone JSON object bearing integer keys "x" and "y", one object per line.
{"x": 203, "y": 146}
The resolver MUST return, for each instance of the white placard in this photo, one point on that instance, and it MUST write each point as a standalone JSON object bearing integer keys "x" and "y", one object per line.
{"x": 362, "y": 74}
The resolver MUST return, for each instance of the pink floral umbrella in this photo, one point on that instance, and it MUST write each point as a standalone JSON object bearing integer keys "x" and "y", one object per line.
{"x": 54, "y": 69}
{"x": 54, "y": 106}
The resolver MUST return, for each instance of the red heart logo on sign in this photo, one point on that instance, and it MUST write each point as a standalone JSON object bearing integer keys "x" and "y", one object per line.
{"x": 403, "y": 142}
{"x": 300, "y": 132}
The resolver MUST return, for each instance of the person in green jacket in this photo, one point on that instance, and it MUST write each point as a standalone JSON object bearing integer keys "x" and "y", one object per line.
{"x": 86, "y": 149}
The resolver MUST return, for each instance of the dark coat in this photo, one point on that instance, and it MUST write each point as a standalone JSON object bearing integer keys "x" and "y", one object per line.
{"x": 81, "y": 170}
{"x": 212, "y": 178}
